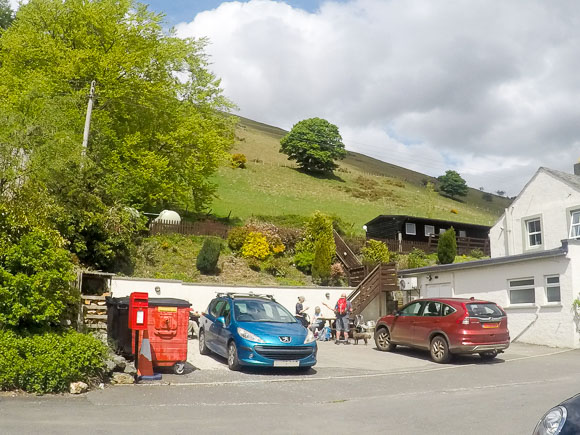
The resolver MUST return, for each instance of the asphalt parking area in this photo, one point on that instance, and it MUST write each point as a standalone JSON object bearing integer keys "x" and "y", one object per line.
{"x": 340, "y": 361}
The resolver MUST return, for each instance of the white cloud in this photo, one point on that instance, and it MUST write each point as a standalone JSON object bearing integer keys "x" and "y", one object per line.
{"x": 488, "y": 88}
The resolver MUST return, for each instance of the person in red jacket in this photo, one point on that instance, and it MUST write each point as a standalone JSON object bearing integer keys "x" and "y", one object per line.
{"x": 342, "y": 309}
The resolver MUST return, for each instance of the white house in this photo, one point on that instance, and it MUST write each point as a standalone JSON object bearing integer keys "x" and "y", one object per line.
{"x": 545, "y": 212}
{"x": 534, "y": 269}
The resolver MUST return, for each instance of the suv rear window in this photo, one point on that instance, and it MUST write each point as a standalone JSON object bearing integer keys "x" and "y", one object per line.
{"x": 484, "y": 310}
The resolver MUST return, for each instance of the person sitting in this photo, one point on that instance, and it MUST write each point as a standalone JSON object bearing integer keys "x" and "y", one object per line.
{"x": 316, "y": 324}
{"x": 193, "y": 326}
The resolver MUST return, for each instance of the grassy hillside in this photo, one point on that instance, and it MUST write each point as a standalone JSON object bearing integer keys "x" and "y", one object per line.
{"x": 360, "y": 189}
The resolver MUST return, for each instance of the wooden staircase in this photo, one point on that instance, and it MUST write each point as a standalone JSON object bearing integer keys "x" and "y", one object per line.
{"x": 354, "y": 268}
{"x": 383, "y": 278}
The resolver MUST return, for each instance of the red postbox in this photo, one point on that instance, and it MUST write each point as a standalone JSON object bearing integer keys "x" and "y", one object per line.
{"x": 138, "y": 311}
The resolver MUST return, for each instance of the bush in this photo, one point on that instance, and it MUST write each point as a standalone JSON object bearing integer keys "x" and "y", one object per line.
{"x": 337, "y": 275}
{"x": 447, "y": 247}
{"x": 35, "y": 277}
{"x": 275, "y": 267}
{"x": 237, "y": 237}
{"x": 487, "y": 196}
{"x": 209, "y": 255}
{"x": 477, "y": 253}
{"x": 239, "y": 161}
{"x": 375, "y": 252}
{"x": 49, "y": 362}
{"x": 303, "y": 261}
{"x": 417, "y": 258}
{"x": 323, "y": 255}
{"x": 256, "y": 246}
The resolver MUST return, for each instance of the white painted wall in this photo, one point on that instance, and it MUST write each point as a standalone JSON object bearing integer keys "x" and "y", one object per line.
{"x": 200, "y": 295}
{"x": 541, "y": 323}
{"x": 544, "y": 196}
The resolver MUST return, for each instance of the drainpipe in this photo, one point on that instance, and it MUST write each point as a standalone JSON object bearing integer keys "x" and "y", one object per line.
{"x": 508, "y": 231}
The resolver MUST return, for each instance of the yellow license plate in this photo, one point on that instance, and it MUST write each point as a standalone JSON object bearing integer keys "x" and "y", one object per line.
{"x": 490, "y": 325}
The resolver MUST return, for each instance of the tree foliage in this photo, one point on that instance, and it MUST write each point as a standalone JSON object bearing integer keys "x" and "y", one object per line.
{"x": 159, "y": 126}
{"x": 447, "y": 247}
{"x": 452, "y": 184}
{"x": 315, "y": 144}
{"x": 6, "y": 14}
{"x": 155, "y": 138}
{"x": 36, "y": 274}
{"x": 315, "y": 252}
{"x": 208, "y": 256}
{"x": 375, "y": 252}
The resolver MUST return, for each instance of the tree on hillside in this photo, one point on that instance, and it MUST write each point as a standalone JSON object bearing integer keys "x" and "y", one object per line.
{"x": 6, "y": 14}
{"x": 452, "y": 184}
{"x": 315, "y": 144}
{"x": 154, "y": 142}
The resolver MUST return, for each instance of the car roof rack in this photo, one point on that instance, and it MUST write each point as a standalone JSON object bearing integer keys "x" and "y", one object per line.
{"x": 245, "y": 295}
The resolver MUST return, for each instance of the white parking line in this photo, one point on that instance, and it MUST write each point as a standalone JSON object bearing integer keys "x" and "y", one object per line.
{"x": 327, "y": 378}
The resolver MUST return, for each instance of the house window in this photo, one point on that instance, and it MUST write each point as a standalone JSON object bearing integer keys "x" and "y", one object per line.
{"x": 534, "y": 232}
{"x": 522, "y": 291}
{"x": 410, "y": 229}
{"x": 462, "y": 233}
{"x": 553, "y": 288}
{"x": 442, "y": 230}
{"x": 429, "y": 229}
{"x": 575, "y": 225}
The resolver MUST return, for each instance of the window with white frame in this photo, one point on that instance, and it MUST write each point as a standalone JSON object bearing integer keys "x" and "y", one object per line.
{"x": 522, "y": 291}
{"x": 553, "y": 288}
{"x": 442, "y": 230}
{"x": 429, "y": 229}
{"x": 410, "y": 229}
{"x": 462, "y": 233}
{"x": 575, "y": 224}
{"x": 534, "y": 229}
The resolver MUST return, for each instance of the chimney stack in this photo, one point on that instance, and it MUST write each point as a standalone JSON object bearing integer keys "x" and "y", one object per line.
{"x": 577, "y": 168}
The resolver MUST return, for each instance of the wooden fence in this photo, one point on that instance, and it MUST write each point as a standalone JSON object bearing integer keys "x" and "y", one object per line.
{"x": 201, "y": 228}
{"x": 464, "y": 245}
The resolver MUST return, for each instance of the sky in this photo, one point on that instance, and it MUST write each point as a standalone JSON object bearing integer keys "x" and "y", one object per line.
{"x": 489, "y": 88}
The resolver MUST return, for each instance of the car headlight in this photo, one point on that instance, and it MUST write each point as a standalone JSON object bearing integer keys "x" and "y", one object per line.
{"x": 309, "y": 337}
{"x": 552, "y": 422}
{"x": 249, "y": 336}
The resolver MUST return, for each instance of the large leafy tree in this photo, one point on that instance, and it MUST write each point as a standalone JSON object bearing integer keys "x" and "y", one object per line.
{"x": 452, "y": 184}
{"x": 158, "y": 129}
{"x": 160, "y": 125}
{"x": 315, "y": 144}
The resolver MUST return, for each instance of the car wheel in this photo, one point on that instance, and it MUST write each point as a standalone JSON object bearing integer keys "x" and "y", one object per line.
{"x": 488, "y": 355}
{"x": 203, "y": 349}
{"x": 233, "y": 362}
{"x": 440, "y": 350}
{"x": 383, "y": 340}
{"x": 179, "y": 368}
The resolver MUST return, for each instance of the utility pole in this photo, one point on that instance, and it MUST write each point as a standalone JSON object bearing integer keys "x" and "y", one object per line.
{"x": 88, "y": 122}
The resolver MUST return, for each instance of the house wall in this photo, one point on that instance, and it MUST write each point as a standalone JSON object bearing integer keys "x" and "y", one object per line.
{"x": 542, "y": 323}
{"x": 545, "y": 197}
{"x": 200, "y": 295}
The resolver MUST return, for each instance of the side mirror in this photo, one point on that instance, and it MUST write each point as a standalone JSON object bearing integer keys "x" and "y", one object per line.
{"x": 396, "y": 313}
{"x": 221, "y": 320}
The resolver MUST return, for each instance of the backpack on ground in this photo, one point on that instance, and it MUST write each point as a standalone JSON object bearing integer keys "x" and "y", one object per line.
{"x": 324, "y": 334}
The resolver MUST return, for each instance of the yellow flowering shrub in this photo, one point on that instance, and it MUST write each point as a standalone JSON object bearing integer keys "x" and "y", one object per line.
{"x": 256, "y": 246}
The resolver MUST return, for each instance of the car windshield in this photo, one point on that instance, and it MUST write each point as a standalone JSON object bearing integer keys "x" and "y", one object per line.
{"x": 484, "y": 310}
{"x": 257, "y": 310}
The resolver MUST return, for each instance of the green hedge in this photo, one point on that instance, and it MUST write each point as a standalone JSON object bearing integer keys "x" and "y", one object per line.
{"x": 49, "y": 362}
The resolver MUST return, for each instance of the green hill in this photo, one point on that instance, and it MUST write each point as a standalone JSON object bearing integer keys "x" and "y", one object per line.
{"x": 361, "y": 189}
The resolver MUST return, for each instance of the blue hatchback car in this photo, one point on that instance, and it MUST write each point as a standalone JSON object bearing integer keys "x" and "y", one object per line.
{"x": 255, "y": 330}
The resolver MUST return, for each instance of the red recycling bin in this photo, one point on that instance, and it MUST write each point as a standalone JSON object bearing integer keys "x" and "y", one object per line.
{"x": 167, "y": 324}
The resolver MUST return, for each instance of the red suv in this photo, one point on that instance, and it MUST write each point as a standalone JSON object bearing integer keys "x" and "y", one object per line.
{"x": 446, "y": 326}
